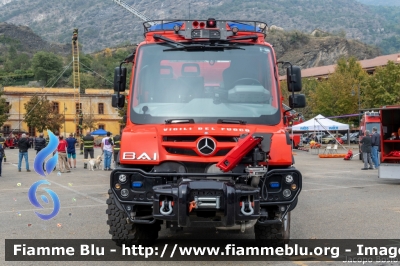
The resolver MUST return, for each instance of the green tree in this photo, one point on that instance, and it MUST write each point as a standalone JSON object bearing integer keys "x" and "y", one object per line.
{"x": 4, "y": 110}
{"x": 383, "y": 88}
{"x": 339, "y": 94}
{"x": 46, "y": 66}
{"x": 309, "y": 86}
{"x": 40, "y": 114}
{"x": 12, "y": 52}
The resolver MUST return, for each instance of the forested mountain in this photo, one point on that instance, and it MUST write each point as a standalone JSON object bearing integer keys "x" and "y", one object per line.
{"x": 103, "y": 23}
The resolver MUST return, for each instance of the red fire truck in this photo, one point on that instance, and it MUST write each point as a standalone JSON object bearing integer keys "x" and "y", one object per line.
{"x": 205, "y": 142}
{"x": 390, "y": 142}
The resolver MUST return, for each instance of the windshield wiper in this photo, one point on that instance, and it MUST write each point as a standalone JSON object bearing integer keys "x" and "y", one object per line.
{"x": 202, "y": 47}
{"x": 248, "y": 37}
{"x": 160, "y": 37}
{"x": 179, "y": 121}
{"x": 231, "y": 121}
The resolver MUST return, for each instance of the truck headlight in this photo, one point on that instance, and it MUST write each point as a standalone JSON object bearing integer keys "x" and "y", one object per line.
{"x": 289, "y": 179}
{"x": 122, "y": 178}
{"x": 286, "y": 193}
{"x": 124, "y": 193}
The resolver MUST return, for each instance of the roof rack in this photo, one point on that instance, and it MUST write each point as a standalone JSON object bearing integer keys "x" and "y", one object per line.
{"x": 205, "y": 29}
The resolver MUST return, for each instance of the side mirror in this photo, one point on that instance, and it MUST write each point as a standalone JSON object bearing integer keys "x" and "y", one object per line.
{"x": 293, "y": 79}
{"x": 119, "y": 79}
{"x": 298, "y": 101}
{"x": 118, "y": 102}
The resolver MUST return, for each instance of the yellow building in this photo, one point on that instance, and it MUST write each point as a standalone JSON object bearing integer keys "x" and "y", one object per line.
{"x": 95, "y": 102}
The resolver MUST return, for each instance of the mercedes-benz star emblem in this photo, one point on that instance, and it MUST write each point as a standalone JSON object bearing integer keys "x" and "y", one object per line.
{"x": 206, "y": 146}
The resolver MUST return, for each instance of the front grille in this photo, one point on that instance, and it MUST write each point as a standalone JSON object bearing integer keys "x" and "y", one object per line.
{"x": 194, "y": 138}
{"x": 181, "y": 138}
{"x": 188, "y": 152}
{"x": 169, "y": 140}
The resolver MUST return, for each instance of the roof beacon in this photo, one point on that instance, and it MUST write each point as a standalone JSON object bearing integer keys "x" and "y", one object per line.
{"x": 211, "y": 23}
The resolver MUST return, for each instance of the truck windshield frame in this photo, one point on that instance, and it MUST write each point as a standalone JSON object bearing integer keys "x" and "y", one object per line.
{"x": 205, "y": 85}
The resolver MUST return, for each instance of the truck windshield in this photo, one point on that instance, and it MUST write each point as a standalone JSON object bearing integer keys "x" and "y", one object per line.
{"x": 371, "y": 125}
{"x": 204, "y": 85}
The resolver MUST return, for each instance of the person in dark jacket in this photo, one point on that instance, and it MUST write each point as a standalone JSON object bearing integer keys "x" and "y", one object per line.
{"x": 23, "y": 146}
{"x": 71, "y": 153}
{"x": 2, "y": 155}
{"x": 40, "y": 143}
{"x": 366, "y": 150}
{"x": 375, "y": 143}
{"x": 30, "y": 139}
{"x": 2, "y": 143}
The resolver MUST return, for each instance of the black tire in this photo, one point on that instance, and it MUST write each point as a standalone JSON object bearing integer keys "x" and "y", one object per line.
{"x": 273, "y": 234}
{"x": 123, "y": 232}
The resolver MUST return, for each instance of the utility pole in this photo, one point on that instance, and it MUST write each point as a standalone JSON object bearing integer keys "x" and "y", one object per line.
{"x": 359, "y": 104}
{"x": 64, "y": 120}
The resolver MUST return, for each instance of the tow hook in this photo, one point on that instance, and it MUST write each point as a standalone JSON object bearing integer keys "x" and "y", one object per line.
{"x": 166, "y": 207}
{"x": 247, "y": 207}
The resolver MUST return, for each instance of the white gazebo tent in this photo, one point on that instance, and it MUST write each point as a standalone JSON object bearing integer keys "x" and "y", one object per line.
{"x": 321, "y": 123}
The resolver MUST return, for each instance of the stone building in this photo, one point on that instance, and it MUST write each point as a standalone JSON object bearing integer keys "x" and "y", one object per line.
{"x": 95, "y": 103}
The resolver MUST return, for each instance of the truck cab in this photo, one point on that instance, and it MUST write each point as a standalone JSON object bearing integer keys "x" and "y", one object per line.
{"x": 205, "y": 143}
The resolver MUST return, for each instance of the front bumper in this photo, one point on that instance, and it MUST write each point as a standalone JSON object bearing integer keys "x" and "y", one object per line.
{"x": 222, "y": 198}
{"x": 201, "y": 200}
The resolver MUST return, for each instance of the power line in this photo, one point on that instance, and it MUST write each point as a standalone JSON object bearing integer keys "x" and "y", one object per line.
{"x": 91, "y": 70}
{"x": 44, "y": 95}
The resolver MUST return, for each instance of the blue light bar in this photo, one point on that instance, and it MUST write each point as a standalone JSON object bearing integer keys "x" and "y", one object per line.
{"x": 274, "y": 185}
{"x": 137, "y": 184}
{"x": 165, "y": 26}
{"x": 243, "y": 27}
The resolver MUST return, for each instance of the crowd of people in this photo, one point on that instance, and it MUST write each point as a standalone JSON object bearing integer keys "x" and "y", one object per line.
{"x": 66, "y": 150}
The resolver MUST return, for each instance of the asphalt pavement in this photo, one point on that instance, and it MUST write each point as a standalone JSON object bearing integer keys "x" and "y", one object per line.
{"x": 338, "y": 201}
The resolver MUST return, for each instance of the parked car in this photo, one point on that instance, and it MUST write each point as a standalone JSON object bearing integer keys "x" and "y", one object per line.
{"x": 306, "y": 137}
{"x": 353, "y": 137}
{"x": 326, "y": 139}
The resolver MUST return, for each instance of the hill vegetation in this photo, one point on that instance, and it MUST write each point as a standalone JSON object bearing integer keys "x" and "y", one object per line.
{"x": 103, "y": 24}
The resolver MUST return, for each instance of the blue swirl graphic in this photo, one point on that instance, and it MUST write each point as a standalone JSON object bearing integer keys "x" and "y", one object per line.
{"x": 41, "y": 156}
{"x": 34, "y": 201}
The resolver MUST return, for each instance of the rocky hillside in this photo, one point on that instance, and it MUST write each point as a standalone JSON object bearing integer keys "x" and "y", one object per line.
{"x": 25, "y": 40}
{"x": 310, "y": 51}
{"x": 102, "y": 23}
